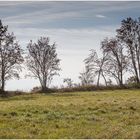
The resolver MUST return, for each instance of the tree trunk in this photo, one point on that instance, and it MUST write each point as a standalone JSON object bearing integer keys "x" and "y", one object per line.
{"x": 98, "y": 78}
{"x": 104, "y": 79}
{"x": 44, "y": 88}
{"x": 138, "y": 59}
{"x": 2, "y": 77}
{"x": 121, "y": 83}
{"x": 134, "y": 65}
{"x": 2, "y": 82}
{"x": 121, "y": 79}
{"x": 43, "y": 84}
{"x": 138, "y": 55}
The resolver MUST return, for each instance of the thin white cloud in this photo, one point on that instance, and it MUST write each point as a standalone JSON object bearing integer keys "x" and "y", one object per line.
{"x": 15, "y": 3}
{"x": 39, "y": 15}
{"x": 100, "y": 16}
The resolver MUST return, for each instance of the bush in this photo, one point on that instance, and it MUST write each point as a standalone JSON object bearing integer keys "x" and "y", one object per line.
{"x": 11, "y": 93}
{"x": 133, "y": 85}
{"x": 39, "y": 90}
{"x": 36, "y": 89}
{"x": 90, "y": 88}
{"x": 95, "y": 88}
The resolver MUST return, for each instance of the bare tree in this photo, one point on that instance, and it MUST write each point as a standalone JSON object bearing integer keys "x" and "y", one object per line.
{"x": 10, "y": 56}
{"x": 87, "y": 76}
{"x": 97, "y": 65}
{"x": 42, "y": 61}
{"x": 129, "y": 33}
{"x": 117, "y": 60}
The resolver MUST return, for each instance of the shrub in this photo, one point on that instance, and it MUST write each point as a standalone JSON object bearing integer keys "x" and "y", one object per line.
{"x": 47, "y": 90}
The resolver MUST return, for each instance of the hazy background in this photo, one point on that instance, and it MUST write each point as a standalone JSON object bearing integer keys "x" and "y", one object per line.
{"x": 76, "y": 27}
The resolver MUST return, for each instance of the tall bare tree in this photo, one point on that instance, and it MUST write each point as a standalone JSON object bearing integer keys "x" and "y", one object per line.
{"x": 117, "y": 63}
{"x": 97, "y": 65}
{"x": 129, "y": 33}
{"x": 42, "y": 61}
{"x": 10, "y": 56}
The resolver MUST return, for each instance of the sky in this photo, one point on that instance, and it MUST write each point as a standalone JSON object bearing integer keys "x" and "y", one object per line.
{"x": 76, "y": 27}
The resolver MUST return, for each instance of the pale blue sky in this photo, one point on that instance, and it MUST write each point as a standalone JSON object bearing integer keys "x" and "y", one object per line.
{"x": 76, "y": 27}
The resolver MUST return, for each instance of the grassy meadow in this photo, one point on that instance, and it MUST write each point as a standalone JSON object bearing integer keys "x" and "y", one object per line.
{"x": 100, "y": 114}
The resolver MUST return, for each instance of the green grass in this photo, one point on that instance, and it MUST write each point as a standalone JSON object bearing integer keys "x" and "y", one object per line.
{"x": 102, "y": 114}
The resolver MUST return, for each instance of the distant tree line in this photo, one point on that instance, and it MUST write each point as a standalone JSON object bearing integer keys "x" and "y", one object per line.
{"x": 120, "y": 57}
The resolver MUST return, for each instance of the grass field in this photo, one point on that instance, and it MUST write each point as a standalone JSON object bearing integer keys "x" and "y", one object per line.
{"x": 104, "y": 114}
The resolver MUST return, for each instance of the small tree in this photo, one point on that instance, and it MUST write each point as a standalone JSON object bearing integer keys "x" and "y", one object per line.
{"x": 117, "y": 63}
{"x": 10, "y": 56}
{"x": 86, "y": 77}
{"x": 42, "y": 61}
{"x": 97, "y": 65}
{"x": 131, "y": 80}
{"x": 69, "y": 82}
